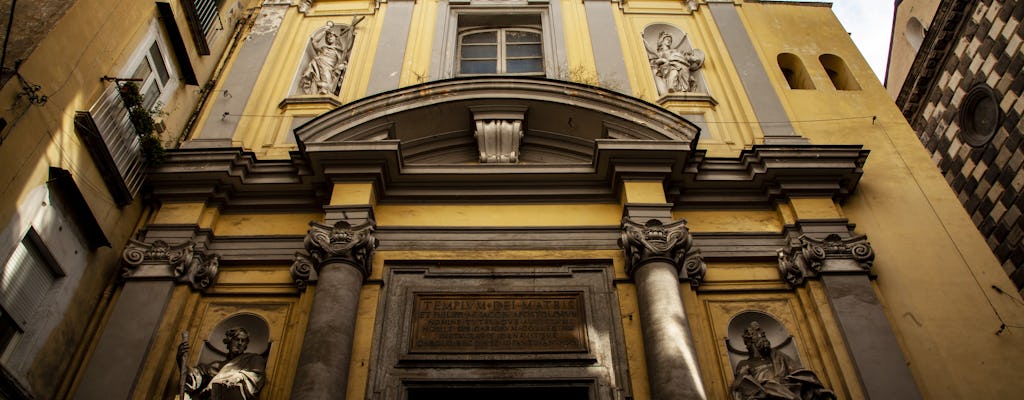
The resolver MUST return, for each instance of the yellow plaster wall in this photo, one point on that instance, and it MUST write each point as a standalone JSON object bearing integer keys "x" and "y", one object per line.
{"x": 264, "y": 224}
{"x": 935, "y": 272}
{"x": 499, "y": 215}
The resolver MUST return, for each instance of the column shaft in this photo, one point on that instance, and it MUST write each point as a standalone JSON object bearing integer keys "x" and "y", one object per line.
{"x": 671, "y": 360}
{"x": 322, "y": 372}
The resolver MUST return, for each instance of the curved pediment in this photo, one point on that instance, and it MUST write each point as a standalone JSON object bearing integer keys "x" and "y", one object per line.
{"x": 556, "y": 122}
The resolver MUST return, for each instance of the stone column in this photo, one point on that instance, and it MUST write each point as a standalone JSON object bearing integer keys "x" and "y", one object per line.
{"x": 150, "y": 272}
{"x": 655, "y": 253}
{"x": 339, "y": 261}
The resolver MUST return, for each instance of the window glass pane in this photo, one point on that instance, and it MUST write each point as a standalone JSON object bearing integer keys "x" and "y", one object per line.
{"x": 482, "y": 37}
{"x": 150, "y": 97}
{"x": 158, "y": 61}
{"x": 480, "y": 51}
{"x": 523, "y": 50}
{"x": 520, "y": 66}
{"x": 478, "y": 67}
{"x": 522, "y": 36}
{"x": 143, "y": 71}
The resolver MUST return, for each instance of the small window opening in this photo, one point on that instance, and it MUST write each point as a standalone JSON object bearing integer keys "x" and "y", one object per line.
{"x": 838, "y": 72}
{"x": 914, "y": 33}
{"x": 794, "y": 71}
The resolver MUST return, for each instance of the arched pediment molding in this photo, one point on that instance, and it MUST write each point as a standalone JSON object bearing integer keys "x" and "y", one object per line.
{"x": 561, "y": 107}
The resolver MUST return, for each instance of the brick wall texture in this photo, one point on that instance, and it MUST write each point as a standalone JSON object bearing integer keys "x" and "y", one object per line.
{"x": 988, "y": 180}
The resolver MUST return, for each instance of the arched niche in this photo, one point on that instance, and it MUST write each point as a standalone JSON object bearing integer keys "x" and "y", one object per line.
{"x": 325, "y": 60}
{"x": 777, "y": 334}
{"x": 676, "y": 66}
{"x": 795, "y": 72}
{"x": 838, "y": 72}
{"x": 257, "y": 328}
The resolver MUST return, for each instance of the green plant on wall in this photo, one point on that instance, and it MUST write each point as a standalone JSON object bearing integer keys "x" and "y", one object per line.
{"x": 142, "y": 120}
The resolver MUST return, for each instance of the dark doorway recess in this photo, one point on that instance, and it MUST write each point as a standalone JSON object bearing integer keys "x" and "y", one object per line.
{"x": 544, "y": 393}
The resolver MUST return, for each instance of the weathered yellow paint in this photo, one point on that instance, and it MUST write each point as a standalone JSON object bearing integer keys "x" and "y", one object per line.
{"x": 633, "y": 337}
{"x": 418, "y": 50}
{"x": 264, "y": 224}
{"x": 179, "y": 213}
{"x": 499, "y": 215}
{"x": 209, "y": 217}
{"x": 730, "y": 220}
{"x": 353, "y": 194}
{"x": 643, "y": 192}
{"x": 742, "y": 273}
{"x": 578, "y": 47}
{"x": 362, "y": 343}
{"x": 815, "y": 208}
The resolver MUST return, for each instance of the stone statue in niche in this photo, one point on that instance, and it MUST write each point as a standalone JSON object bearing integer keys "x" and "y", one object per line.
{"x": 240, "y": 376}
{"x": 331, "y": 47}
{"x": 674, "y": 68}
{"x": 771, "y": 374}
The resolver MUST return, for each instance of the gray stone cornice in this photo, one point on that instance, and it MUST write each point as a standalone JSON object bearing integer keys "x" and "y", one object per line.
{"x": 943, "y": 34}
{"x": 344, "y": 243}
{"x": 807, "y": 257}
{"x": 184, "y": 263}
{"x": 654, "y": 241}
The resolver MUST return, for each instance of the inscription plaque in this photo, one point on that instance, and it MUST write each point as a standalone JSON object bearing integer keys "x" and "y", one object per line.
{"x": 498, "y": 323}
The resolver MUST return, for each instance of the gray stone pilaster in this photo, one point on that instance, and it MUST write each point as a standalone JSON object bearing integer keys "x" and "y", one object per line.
{"x": 233, "y": 94}
{"x": 150, "y": 273}
{"x": 387, "y": 63}
{"x": 339, "y": 261}
{"x": 655, "y": 252}
{"x": 763, "y": 97}
{"x": 608, "y": 55}
{"x": 843, "y": 264}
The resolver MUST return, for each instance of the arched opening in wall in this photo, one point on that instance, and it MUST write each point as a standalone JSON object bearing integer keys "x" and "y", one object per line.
{"x": 838, "y": 72}
{"x": 794, "y": 71}
{"x": 914, "y": 33}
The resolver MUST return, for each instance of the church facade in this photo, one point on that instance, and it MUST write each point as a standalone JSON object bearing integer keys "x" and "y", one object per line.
{"x": 520, "y": 198}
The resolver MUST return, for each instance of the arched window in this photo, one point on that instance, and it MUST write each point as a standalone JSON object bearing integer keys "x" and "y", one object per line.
{"x": 838, "y": 72}
{"x": 795, "y": 72}
{"x": 914, "y": 33}
{"x": 510, "y": 51}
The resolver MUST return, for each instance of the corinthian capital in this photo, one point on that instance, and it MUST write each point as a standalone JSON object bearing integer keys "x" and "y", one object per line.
{"x": 184, "y": 263}
{"x": 807, "y": 257}
{"x": 656, "y": 241}
{"x": 343, "y": 242}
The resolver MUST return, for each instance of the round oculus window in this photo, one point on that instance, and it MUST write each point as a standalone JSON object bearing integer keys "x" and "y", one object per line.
{"x": 980, "y": 116}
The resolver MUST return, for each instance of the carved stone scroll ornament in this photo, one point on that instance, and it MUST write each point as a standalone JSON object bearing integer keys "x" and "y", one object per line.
{"x": 498, "y": 133}
{"x": 674, "y": 65}
{"x": 654, "y": 241}
{"x": 342, "y": 242}
{"x": 185, "y": 262}
{"x": 305, "y": 5}
{"x": 807, "y": 257}
{"x": 331, "y": 46}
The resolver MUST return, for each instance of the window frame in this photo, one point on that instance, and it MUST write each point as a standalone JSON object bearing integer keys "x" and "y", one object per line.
{"x": 501, "y": 58}
{"x": 143, "y": 54}
{"x": 444, "y": 63}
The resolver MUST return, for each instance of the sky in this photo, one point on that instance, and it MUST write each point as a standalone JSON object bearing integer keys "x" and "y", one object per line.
{"x": 870, "y": 24}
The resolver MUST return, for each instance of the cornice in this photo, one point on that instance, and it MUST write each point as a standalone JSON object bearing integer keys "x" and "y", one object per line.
{"x": 941, "y": 37}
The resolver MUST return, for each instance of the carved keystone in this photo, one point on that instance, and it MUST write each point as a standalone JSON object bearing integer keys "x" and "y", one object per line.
{"x": 807, "y": 257}
{"x": 655, "y": 241}
{"x": 341, "y": 243}
{"x": 184, "y": 262}
{"x": 498, "y": 132}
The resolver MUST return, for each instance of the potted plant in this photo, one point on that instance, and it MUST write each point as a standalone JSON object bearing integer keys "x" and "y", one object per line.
{"x": 142, "y": 121}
